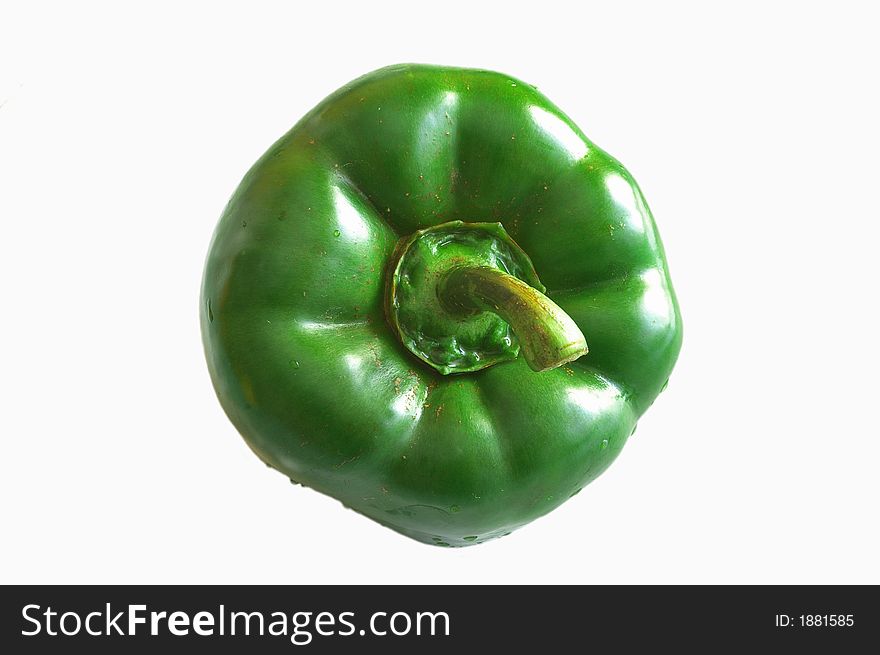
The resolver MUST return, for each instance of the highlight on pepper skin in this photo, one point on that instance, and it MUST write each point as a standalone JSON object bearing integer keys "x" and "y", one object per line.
{"x": 435, "y": 300}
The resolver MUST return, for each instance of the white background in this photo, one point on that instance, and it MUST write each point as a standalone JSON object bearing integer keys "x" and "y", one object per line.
{"x": 752, "y": 131}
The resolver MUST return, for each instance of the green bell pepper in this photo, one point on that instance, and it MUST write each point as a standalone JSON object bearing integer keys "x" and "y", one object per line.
{"x": 398, "y": 299}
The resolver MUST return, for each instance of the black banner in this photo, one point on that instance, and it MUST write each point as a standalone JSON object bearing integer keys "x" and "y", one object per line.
{"x": 434, "y": 619}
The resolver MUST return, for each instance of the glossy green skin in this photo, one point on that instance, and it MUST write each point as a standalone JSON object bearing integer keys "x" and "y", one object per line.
{"x": 318, "y": 384}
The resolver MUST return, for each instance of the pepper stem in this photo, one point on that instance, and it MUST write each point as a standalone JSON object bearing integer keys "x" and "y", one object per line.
{"x": 548, "y": 336}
